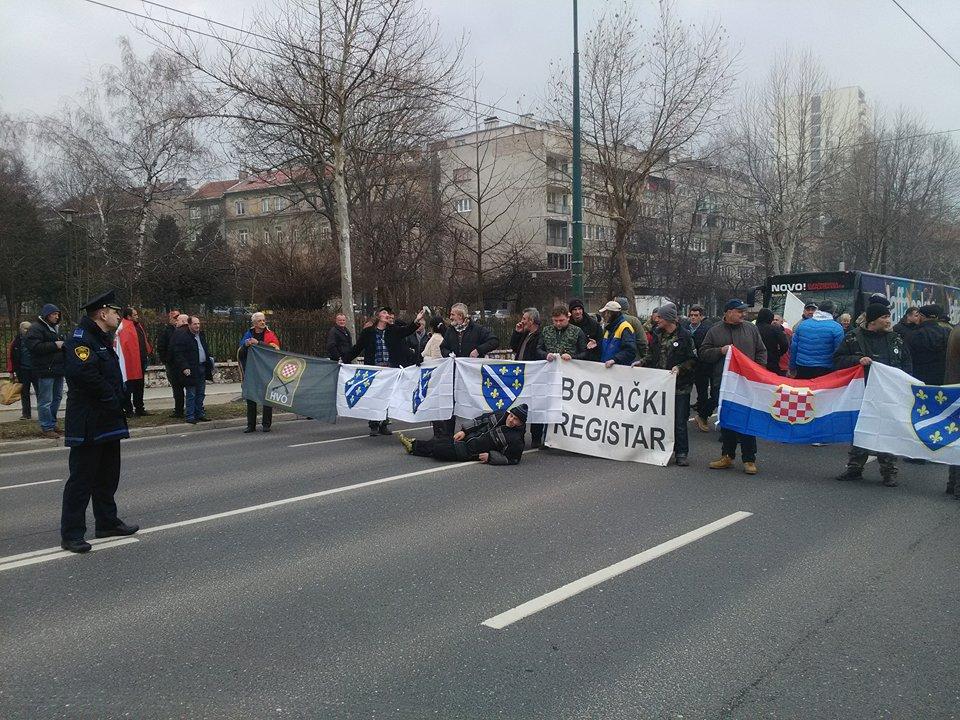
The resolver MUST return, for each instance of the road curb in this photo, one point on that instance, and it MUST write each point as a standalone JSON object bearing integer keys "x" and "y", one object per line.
{"x": 9, "y": 446}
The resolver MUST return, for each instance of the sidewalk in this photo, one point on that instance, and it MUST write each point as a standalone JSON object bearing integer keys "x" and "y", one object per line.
{"x": 154, "y": 399}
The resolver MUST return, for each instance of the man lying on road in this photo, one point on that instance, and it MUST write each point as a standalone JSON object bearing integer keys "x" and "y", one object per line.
{"x": 495, "y": 438}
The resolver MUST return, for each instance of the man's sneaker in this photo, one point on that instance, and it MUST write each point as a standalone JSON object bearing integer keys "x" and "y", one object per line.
{"x": 49, "y": 435}
{"x": 702, "y": 425}
{"x": 406, "y": 442}
{"x": 723, "y": 463}
{"x": 76, "y": 546}
{"x": 384, "y": 430}
{"x": 890, "y": 482}
{"x": 750, "y": 468}
{"x": 682, "y": 461}
{"x": 848, "y": 475}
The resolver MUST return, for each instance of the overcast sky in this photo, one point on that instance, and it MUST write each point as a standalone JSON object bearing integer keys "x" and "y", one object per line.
{"x": 49, "y": 47}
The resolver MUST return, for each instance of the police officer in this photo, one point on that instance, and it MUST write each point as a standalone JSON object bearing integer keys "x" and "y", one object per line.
{"x": 94, "y": 426}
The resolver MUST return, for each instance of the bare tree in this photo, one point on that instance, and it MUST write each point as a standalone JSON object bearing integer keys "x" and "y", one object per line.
{"x": 136, "y": 131}
{"x": 486, "y": 179}
{"x": 314, "y": 83}
{"x": 897, "y": 205}
{"x": 792, "y": 144}
{"x": 647, "y": 97}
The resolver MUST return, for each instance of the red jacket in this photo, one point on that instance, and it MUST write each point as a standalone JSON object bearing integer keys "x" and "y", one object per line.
{"x": 129, "y": 335}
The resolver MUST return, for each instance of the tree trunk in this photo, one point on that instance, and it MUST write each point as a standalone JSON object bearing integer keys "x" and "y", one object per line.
{"x": 343, "y": 226}
{"x": 623, "y": 269}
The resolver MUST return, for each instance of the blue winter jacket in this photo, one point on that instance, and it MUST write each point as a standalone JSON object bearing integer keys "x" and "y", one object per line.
{"x": 618, "y": 342}
{"x": 815, "y": 340}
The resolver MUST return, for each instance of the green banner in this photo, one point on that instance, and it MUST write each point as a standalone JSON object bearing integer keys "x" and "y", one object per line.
{"x": 298, "y": 383}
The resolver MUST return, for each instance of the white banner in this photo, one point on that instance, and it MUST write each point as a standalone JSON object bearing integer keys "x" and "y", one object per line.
{"x": 902, "y": 416}
{"x": 620, "y": 413}
{"x": 484, "y": 386}
{"x": 364, "y": 391}
{"x": 424, "y": 393}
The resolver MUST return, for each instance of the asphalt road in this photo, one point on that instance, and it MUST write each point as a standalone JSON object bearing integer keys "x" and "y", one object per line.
{"x": 830, "y": 600}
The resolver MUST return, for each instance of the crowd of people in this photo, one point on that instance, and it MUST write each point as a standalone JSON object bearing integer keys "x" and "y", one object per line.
{"x": 104, "y": 361}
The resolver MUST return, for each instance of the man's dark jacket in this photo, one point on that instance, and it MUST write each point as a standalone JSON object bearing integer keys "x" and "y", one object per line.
{"x": 675, "y": 350}
{"x": 339, "y": 343}
{"x": 95, "y": 394}
{"x": 593, "y": 330}
{"x": 474, "y": 337}
{"x": 395, "y": 337}
{"x": 530, "y": 349}
{"x": 882, "y": 347}
{"x": 186, "y": 356}
{"x": 928, "y": 350}
{"x": 164, "y": 340}
{"x": 41, "y": 341}
{"x": 489, "y": 434}
{"x": 417, "y": 343}
{"x": 775, "y": 340}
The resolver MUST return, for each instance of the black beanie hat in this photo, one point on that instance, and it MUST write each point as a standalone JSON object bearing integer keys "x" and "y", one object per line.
{"x": 876, "y": 310}
{"x": 520, "y": 411}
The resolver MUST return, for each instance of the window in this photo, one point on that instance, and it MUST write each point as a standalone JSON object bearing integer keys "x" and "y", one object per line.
{"x": 557, "y": 234}
{"x": 727, "y": 246}
{"x": 266, "y": 236}
{"x": 325, "y": 232}
{"x": 265, "y": 206}
{"x": 278, "y": 231}
{"x": 194, "y": 213}
{"x": 558, "y": 261}
{"x": 240, "y": 208}
{"x": 280, "y": 204}
{"x": 242, "y": 237}
{"x": 464, "y": 205}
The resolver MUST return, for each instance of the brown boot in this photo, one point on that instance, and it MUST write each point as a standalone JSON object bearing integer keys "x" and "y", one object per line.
{"x": 702, "y": 425}
{"x": 750, "y": 468}
{"x": 723, "y": 463}
{"x": 49, "y": 435}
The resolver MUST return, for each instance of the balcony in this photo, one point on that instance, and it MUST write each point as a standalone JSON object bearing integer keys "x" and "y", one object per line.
{"x": 558, "y": 208}
{"x": 557, "y": 177}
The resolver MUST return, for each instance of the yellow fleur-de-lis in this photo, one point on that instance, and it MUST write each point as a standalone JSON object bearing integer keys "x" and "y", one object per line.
{"x": 921, "y": 394}
{"x": 936, "y": 437}
{"x": 504, "y": 369}
{"x": 494, "y": 393}
{"x": 516, "y": 384}
{"x": 952, "y": 428}
{"x": 487, "y": 382}
{"x": 923, "y": 411}
{"x": 517, "y": 370}
{"x": 940, "y": 397}
{"x": 499, "y": 404}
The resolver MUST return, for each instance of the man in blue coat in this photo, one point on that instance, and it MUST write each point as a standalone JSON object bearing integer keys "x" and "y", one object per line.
{"x": 94, "y": 426}
{"x": 814, "y": 342}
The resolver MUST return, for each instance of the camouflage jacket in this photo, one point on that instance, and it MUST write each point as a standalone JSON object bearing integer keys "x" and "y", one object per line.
{"x": 674, "y": 350}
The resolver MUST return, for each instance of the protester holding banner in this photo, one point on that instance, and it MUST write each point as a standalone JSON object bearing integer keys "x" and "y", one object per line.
{"x": 673, "y": 349}
{"x": 258, "y": 334}
{"x": 562, "y": 339}
{"x": 734, "y": 332}
{"x": 953, "y": 377}
{"x": 465, "y": 338}
{"x": 524, "y": 342}
{"x": 875, "y": 343}
{"x": 495, "y": 439}
{"x": 619, "y": 343}
{"x": 588, "y": 324}
{"x": 384, "y": 344}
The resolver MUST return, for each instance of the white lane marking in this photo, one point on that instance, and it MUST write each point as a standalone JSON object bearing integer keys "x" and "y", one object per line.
{"x": 38, "y": 482}
{"x": 498, "y": 622}
{"x": 40, "y": 556}
{"x": 352, "y": 437}
{"x": 34, "y": 556}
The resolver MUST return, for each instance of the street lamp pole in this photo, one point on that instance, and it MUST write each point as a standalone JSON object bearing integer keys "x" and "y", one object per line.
{"x": 577, "y": 259}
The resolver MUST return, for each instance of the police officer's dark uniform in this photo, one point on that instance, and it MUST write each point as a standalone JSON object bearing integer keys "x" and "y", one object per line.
{"x": 94, "y": 426}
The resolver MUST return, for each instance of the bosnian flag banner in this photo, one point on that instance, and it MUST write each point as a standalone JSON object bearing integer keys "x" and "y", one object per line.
{"x": 755, "y": 401}
{"x": 424, "y": 392}
{"x": 903, "y": 416}
{"x": 364, "y": 391}
{"x": 484, "y": 386}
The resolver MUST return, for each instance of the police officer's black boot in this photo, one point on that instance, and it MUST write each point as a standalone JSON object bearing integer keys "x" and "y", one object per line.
{"x": 76, "y": 546}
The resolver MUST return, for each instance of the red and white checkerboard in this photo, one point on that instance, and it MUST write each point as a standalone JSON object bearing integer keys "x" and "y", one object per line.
{"x": 289, "y": 370}
{"x": 792, "y": 405}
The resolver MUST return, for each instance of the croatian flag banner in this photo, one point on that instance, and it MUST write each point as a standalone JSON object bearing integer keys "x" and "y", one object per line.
{"x": 424, "y": 392}
{"x": 902, "y": 416}
{"x": 755, "y": 401}
{"x": 364, "y": 391}
{"x": 484, "y": 386}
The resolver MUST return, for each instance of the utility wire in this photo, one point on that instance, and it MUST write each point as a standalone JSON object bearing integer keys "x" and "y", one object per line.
{"x": 143, "y": 16}
{"x": 924, "y": 30}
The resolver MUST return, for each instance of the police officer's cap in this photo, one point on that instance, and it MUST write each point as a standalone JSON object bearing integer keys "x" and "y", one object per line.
{"x": 104, "y": 300}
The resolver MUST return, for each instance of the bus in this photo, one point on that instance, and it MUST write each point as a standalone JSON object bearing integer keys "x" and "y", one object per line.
{"x": 850, "y": 292}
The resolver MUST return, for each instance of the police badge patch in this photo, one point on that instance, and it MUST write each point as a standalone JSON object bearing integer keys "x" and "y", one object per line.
{"x": 357, "y": 386}
{"x": 936, "y": 414}
{"x": 502, "y": 384}
{"x": 82, "y": 352}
